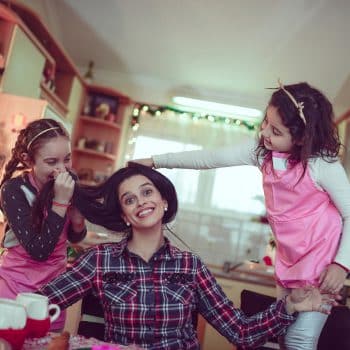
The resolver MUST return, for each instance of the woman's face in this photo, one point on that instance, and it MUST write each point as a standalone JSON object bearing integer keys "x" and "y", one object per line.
{"x": 141, "y": 202}
{"x": 52, "y": 158}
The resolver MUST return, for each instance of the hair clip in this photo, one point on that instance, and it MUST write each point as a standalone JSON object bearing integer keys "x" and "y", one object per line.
{"x": 39, "y": 134}
{"x": 298, "y": 105}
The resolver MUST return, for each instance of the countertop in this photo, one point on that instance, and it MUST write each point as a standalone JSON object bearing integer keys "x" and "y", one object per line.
{"x": 253, "y": 273}
{"x": 249, "y": 272}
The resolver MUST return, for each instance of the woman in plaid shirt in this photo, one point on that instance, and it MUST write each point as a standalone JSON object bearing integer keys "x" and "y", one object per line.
{"x": 152, "y": 292}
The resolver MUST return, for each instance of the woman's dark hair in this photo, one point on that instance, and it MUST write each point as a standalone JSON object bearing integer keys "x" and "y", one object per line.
{"x": 318, "y": 137}
{"x": 100, "y": 204}
{"x": 29, "y": 140}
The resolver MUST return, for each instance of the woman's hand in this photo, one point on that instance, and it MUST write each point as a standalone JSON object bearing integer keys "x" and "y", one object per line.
{"x": 310, "y": 299}
{"x": 144, "y": 161}
{"x": 63, "y": 188}
{"x": 76, "y": 218}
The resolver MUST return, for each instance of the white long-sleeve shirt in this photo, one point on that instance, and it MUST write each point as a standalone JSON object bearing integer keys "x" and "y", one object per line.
{"x": 330, "y": 177}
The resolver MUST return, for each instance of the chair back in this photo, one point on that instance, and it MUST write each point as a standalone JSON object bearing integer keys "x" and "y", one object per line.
{"x": 252, "y": 303}
{"x": 336, "y": 332}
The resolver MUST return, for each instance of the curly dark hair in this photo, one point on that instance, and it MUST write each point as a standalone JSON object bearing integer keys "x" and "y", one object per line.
{"x": 318, "y": 137}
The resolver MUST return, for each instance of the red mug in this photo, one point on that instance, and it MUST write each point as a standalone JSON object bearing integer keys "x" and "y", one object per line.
{"x": 15, "y": 337}
{"x": 13, "y": 319}
{"x": 37, "y": 328}
{"x": 39, "y": 316}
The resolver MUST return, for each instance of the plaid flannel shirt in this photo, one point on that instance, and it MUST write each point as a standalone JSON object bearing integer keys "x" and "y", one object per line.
{"x": 155, "y": 304}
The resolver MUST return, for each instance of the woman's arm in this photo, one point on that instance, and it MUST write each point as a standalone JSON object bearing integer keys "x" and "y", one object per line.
{"x": 72, "y": 285}
{"x": 252, "y": 331}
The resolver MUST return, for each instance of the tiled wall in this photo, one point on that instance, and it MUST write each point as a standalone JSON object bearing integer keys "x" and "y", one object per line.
{"x": 221, "y": 238}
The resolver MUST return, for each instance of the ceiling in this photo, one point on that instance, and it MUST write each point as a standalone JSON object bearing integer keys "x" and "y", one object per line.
{"x": 223, "y": 50}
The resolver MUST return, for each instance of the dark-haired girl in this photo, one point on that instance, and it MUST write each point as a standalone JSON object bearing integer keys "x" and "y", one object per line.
{"x": 36, "y": 253}
{"x": 307, "y": 195}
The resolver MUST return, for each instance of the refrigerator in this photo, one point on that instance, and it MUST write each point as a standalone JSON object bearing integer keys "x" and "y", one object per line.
{"x": 15, "y": 113}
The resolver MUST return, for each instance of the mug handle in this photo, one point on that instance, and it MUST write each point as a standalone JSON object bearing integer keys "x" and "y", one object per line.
{"x": 55, "y": 316}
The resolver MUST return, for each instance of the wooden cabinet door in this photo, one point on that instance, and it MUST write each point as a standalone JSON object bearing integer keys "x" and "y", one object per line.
{"x": 75, "y": 100}
{"x": 23, "y": 72}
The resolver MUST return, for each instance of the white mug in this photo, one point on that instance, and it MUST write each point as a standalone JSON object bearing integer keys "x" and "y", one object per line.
{"x": 37, "y": 306}
{"x": 12, "y": 314}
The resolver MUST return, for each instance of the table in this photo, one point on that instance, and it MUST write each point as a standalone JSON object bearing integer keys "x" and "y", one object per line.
{"x": 75, "y": 342}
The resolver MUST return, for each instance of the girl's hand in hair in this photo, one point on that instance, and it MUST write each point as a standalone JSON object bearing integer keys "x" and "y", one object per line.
{"x": 144, "y": 161}
{"x": 63, "y": 188}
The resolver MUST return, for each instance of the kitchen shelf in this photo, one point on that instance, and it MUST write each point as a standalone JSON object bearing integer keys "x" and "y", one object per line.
{"x": 100, "y": 122}
{"x": 90, "y": 152}
{"x": 53, "y": 99}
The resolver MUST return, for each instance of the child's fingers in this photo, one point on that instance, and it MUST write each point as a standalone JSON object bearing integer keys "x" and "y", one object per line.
{"x": 64, "y": 186}
{"x": 65, "y": 178}
{"x": 322, "y": 277}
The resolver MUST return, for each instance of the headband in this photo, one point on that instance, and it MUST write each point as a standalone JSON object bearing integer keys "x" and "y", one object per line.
{"x": 298, "y": 105}
{"x": 40, "y": 133}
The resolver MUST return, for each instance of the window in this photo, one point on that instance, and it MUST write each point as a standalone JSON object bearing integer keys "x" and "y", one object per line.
{"x": 185, "y": 181}
{"x": 236, "y": 189}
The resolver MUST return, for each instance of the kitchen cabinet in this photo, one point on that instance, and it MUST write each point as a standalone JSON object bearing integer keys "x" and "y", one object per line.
{"x": 23, "y": 62}
{"x": 33, "y": 64}
{"x": 98, "y": 133}
{"x": 344, "y": 133}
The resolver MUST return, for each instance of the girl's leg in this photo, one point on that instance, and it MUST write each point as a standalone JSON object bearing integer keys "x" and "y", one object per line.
{"x": 303, "y": 334}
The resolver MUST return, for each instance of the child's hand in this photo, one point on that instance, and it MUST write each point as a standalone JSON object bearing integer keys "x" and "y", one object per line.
{"x": 63, "y": 187}
{"x": 332, "y": 279}
{"x": 310, "y": 299}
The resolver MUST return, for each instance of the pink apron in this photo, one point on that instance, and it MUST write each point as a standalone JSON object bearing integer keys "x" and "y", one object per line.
{"x": 20, "y": 273}
{"x": 306, "y": 224}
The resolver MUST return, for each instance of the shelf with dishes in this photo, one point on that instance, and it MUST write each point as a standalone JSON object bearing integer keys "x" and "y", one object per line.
{"x": 100, "y": 122}
{"x": 94, "y": 153}
{"x": 98, "y": 132}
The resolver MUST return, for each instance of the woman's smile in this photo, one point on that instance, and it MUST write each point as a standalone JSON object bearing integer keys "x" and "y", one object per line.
{"x": 145, "y": 212}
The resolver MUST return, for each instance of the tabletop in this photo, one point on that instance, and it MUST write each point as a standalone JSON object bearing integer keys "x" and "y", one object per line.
{"x": 76, "y": 342}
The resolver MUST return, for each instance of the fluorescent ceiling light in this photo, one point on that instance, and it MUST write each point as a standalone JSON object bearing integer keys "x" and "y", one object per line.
{"x": 215, "y": 108}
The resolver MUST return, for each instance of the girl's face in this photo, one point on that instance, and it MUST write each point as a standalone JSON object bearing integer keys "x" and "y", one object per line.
{"x": 275, "y": 135}
{"x": 141, "y": 202}
{"x": 52, "y": 158}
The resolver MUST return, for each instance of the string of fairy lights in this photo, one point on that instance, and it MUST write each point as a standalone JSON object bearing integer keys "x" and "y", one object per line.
{"x": 162, "y": 111}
